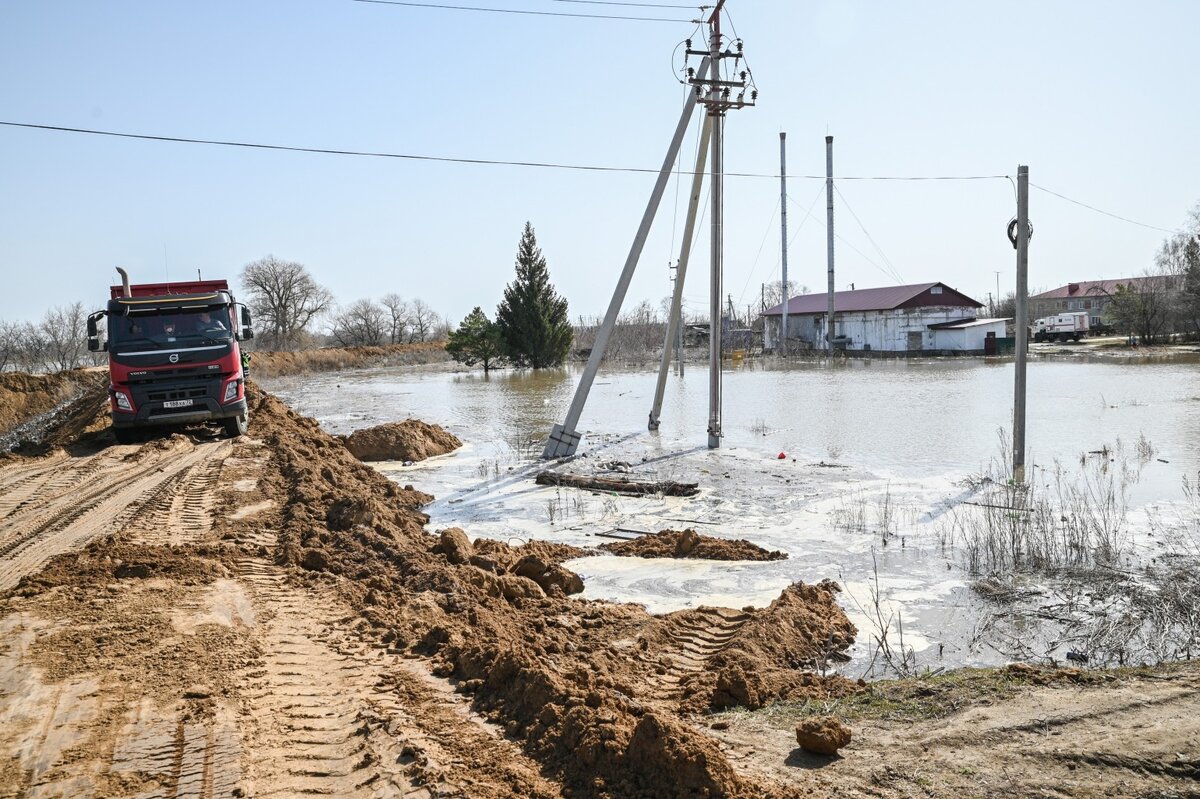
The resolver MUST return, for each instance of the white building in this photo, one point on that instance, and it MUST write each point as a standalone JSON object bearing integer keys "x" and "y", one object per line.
{"x": 924, "y": 317}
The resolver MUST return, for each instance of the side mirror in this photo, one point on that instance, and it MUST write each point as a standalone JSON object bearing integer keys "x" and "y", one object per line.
{"x": 93, "y": 332}
{"x": 247, "y": 330}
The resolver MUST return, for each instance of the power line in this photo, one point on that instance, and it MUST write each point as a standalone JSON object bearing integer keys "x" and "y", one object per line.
{"x": 630, "y": 5}
{"x": 1099, "y": 210}
{"x": 457, "y": 160}
{"x": 441, "y": 6}
{"x": 870, "y": 238}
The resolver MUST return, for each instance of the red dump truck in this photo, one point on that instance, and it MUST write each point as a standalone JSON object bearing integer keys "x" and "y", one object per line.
{"x": 173, "y": 355}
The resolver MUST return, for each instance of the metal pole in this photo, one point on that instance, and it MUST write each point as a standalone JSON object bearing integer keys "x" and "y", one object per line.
{"x": 674, "y": 326}
{"x": 1022, "y": 324}
{"x": 829, "y": 238}
{"x": 783, "y": 326}
{"x": 714, "y": 300}
{"x": 564, "y": 438}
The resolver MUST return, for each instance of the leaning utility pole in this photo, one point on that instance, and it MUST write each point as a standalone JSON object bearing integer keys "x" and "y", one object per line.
{"x": 783, "y": 325}
{"x": 1020, "y": 240}
{"x": 564, "y": 438}
{"x": 829, "y": 238}
{"x": 675, "y": 320}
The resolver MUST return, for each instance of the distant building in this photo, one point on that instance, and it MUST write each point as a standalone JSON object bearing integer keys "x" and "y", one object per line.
{"x": 1092, "y": 296}
{"x": 923, "y": 317}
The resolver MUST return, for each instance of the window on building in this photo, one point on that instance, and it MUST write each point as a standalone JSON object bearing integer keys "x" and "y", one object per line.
{"x": 936, "y": 290}
{"x": 1087, "y": 305}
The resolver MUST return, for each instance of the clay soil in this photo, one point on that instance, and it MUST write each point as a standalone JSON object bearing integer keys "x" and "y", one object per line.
{"x": 268, "y": 616}
{"x": 410, "y": 440}
{"x": 690, "y": 544}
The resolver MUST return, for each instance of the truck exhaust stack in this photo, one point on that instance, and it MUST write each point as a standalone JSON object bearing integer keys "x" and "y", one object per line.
{"x": 125, "y": 282}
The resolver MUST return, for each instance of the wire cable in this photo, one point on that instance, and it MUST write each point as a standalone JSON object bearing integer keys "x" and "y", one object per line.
{"x": 461, "y": 160}
{"x": 892, "y": 267}
{"x": 1099, "y": 210}
{"x": 629, "y": 5}
{"x": 444, "y": 7}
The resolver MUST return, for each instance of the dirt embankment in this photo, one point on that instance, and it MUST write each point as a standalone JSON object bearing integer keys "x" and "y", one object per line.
{"x": 332, "y": 359}
{"x": 410, "y": 440}
{"x": 591, "y": 690}
{"x": 33, "y": 407}
{"x": 690, "y": 544}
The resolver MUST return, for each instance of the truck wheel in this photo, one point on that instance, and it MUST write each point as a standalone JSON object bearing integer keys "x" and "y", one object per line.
{"x": 236, "y": 425}
{"x": 1076, "y": 337}
{"x": 125, "y": 435}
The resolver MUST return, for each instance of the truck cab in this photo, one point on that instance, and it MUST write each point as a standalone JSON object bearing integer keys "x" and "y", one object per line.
{"x": 174, "y": 355}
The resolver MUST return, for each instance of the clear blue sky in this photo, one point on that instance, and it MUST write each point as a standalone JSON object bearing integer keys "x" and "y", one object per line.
{"x": 1098, "y": 98}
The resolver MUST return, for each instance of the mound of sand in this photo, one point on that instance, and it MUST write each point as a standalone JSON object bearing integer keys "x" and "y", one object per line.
{"x": 410, "y": 440}
{"x": 690, "y": 544}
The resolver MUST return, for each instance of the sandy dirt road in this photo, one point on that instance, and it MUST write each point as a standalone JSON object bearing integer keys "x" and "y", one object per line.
{"x": 245, "y": 685}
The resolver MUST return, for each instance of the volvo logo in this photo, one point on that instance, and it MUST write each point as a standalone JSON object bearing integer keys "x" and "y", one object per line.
{"x": 173, "y": 357}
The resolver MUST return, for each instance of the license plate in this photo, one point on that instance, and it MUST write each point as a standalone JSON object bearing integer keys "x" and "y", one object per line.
{"x": 177, "y": 403}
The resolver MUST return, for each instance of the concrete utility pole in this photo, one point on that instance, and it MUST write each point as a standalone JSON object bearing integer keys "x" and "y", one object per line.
{"x": 718, "y": 183}
{"x": 829, "y": 239}
{"x": 783, "y": 325}
{"x": 564, "y": 438}
{"x": 1022, "y": 334}
{"x": 675, "y": 321}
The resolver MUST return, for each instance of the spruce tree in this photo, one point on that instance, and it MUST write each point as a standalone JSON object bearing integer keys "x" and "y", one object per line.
{"x": 477, "y": 340}
{"x": 532, "y": 317}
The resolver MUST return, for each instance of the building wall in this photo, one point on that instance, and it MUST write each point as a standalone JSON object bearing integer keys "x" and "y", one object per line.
{"x": 1094, "y": 304}
{"x": 967, "y": 339}
{"x": 881, "y": 331}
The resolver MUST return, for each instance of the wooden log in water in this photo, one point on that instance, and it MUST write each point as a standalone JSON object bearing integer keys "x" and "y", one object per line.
{"x": 619, "y": 485}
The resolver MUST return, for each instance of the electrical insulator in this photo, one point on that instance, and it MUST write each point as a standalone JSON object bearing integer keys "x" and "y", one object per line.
{"x": 726, "y": 93}
{"x": 739, "y": 46}
{"x": 743, "y": 74}
{"x": 699, "y": 91}
{"x": 688, "y": 42}
{"x": 754, "y": 94}
{"x": 691, "y": 72}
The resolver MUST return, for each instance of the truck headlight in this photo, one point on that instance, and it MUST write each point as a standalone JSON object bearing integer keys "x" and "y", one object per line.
{"x": 122, "y": 401}
{"x": 231, "y": 391}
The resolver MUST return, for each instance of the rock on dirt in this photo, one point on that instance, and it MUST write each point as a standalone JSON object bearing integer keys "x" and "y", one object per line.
{"x": 410, "y": 440}
{"x": 824, "y": 735}
{"x": 690, "y": 544}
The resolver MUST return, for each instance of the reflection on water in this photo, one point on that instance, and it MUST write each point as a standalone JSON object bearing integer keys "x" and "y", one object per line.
{"x": 906, "y": 431}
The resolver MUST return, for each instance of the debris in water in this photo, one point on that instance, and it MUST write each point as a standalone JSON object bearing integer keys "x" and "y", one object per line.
{"x": 619, "y": 485}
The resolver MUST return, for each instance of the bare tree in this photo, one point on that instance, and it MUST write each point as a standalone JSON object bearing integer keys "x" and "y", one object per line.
{"x": 10, "y": 344}
{"x": 772, "y": 293}
{"x": 422, "y": 321}
{"x": 1147, "y": 308}
{"x": 30, "y": 355}
{"x": 398, "y": 313}
{"x": 285, "y": 300}
{"x": 63, "y": 330}
{"x": 362, "y": 324}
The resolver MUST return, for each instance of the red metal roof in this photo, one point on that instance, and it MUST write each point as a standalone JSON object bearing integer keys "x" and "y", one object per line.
{"x": 885, "y": 298}
{"x": 1091, "y": 288}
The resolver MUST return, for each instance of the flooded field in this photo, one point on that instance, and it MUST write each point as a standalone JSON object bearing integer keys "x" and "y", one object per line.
{"x": 883, "y": 466}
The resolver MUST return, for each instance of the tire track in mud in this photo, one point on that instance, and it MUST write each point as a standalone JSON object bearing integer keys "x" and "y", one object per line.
{"x": 187, "y": 759}
{"x": 20, "y": 482}
{"x": 73, "y": 511}
{"x": 693, "y": 638}
{"x": 311, "y": 706}
{"x": 180, "y": 509}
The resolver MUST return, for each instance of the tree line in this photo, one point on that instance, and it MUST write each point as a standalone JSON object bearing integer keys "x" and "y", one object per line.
{"x": 292, "y": 311}
{"x": 57, "y": 342}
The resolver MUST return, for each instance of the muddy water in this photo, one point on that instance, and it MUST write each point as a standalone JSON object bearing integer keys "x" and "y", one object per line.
{"x": 866, "y": 444}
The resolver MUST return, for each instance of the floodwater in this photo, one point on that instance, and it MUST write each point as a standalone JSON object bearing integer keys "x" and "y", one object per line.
{"x": 867, "y": 440}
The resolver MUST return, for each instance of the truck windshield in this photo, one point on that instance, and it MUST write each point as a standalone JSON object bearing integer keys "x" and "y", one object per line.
{"x": 170, "y": 328}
